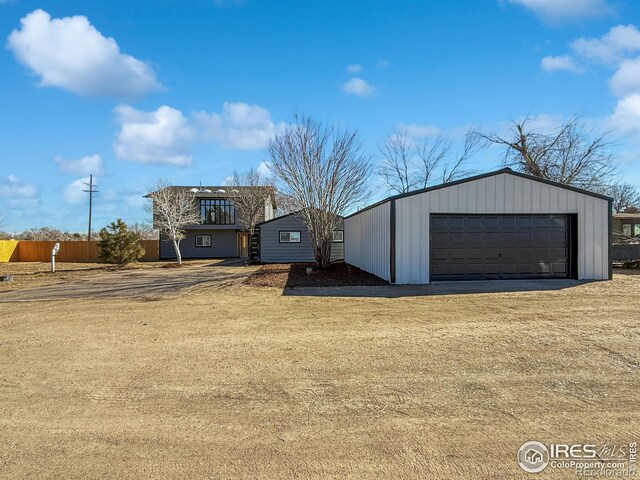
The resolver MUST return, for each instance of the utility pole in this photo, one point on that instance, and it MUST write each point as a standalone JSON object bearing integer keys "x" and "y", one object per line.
{"x": 91, "y": 192}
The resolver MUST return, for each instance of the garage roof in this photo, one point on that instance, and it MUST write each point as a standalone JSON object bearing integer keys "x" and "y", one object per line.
{"x": 480, "y": 177}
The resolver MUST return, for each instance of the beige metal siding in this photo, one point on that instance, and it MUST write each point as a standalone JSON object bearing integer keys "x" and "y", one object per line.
{"x": 503, "y": 193}
{"x": 366, "y": 238}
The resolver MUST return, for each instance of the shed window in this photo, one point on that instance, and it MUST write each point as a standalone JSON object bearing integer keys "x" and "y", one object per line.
{"x": 203, "y": 240}
{"x": 290, "y": 237}
{"x": 626, "y": 229}
{"x": 636, "y": 230}
{"x": 338, "y": 236}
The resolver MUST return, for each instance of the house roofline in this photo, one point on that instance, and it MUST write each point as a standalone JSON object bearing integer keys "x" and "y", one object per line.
{"x": 480, "y": 177}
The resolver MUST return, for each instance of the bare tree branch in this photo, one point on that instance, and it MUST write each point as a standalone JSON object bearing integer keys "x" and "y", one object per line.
{"x": 250, "y": 197}
{"x": 571, "y": 154}
{"x": 324, "y": 173}
{"x": 626, "y": 198}
{"x": 395, "y": 168}
{"x": 455, "y": 170}
{"x": 172, "y": 209}
{"x": 432, "y": 155}
{"x": 407, "y": 164}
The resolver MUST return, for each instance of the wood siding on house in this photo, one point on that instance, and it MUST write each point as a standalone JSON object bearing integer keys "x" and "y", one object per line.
{"x": 224, "y": 244}
{"x": 272, "y": 251}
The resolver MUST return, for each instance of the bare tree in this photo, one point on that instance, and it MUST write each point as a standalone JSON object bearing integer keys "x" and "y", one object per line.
{"x": 250, "y": 192}
{"x": 456, "y": 168}
{"x": 144, "y": 230}
{"x": 432, "y": 155}
{"x": 396, "y": 167}
{"x": 626, "y": 198}
{"x": 570, "y": 154}
{"x": 172, "y": 209}
{"x": 284, "y": 203}
{"x": 324, "y": 172}
{"x": 407, "y": 164}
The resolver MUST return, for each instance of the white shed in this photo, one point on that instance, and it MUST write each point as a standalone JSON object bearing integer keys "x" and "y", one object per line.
{"x": 500, "y": 225}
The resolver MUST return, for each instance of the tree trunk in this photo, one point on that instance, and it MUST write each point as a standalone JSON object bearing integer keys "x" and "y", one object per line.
{"x": 323, "y": 255}
{"x": 176, "y": 247}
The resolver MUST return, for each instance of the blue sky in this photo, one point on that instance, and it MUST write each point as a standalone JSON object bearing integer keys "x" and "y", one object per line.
{"x": 190, "y": 90}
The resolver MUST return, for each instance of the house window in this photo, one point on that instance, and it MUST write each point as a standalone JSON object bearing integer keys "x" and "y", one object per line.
{"x": 626, "y": 229}
{"x": 203, "y": 240}
{"x": 338, "y": 236}
{"x": 636, "y": 230}
{"x": 290, "y": 237}
{"x": 217, "y": 211}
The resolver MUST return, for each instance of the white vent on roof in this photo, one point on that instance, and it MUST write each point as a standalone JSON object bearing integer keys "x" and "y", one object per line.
{"x": 220, "y": 190}
{"x": 206, "y": 190}
{"x": 194, "y": 190}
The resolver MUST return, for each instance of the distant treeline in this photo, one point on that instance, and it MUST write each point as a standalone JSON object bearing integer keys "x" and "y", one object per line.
{"x": 145, "y": 231}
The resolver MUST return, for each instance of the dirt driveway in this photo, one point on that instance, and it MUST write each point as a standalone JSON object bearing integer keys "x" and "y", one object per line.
{"x": 150, "y": 284}
{"x": 245, "y": 382}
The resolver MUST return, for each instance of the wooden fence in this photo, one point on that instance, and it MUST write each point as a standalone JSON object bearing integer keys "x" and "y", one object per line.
{"x": 70, "y": 251}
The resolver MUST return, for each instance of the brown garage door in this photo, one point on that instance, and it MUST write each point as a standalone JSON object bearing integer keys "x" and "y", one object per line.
{"x": 470, "y": 247}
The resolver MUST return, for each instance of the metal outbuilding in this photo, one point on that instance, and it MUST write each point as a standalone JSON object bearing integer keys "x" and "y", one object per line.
{"x": 499, "y": 225}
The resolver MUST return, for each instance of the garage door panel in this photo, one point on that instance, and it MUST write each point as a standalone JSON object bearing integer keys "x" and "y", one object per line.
{"x": 499, "y": 246}
{"x": 491, "y": 222}
{"x": 559, "y": 222}
{"x": 559, "y": 267}
{"x": 439, "y": 223}
{"x": 525, "y": 222}
{"x": 542, "y": 222}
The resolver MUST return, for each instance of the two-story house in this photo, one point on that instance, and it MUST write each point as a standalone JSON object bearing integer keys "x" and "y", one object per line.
{"x": 220, "y": 233}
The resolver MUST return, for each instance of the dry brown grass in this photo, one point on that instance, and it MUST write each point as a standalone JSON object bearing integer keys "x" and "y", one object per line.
{"x": 38, "y": 274}
{"x": 246, "y": 382}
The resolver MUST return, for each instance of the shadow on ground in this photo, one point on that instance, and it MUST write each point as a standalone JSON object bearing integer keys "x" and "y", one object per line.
{"x": 439, "y": 288}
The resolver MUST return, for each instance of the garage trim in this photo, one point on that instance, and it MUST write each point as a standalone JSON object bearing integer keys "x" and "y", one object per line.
{"x": 571, "y": 260}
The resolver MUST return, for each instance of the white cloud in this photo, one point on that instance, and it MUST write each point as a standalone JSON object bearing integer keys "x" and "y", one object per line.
{"x": 240, "y": 126}
{"x": 359, "y": 87}
{"x": 162, "y": 136}
{"x": 560, "y": 63}
{"x": 73, "y": 193}
{"x": 12, "y": 188}
{"x": 626, "y": 118}
{"x": 71, "y": 54}
{"x": 264, "y": 169}
{"x": 555, "y": 11}
{"x": 626, "y": 80}
{"x": 83, "y": 166}
{"x": 416, "y": 131}
{"x": 354, "y": 68}
{"x": 612, "y": 47}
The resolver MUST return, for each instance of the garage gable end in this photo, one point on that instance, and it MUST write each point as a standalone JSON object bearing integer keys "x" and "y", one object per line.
{"x": 500, "y": 193}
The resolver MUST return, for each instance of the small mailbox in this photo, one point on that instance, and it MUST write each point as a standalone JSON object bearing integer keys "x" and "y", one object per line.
{"x": 54, "y": 252}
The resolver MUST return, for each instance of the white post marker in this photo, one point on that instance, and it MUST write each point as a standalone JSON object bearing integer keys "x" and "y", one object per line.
{"x": 54, "y": 251}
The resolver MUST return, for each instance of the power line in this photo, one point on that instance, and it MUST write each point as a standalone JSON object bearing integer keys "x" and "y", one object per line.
{"x": 91, "y": 193}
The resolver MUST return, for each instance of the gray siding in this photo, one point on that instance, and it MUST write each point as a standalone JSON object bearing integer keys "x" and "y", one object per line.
{"x": 272, "y": 251}
{"x": 224, "y": 243}
{"x": 367, "y": 238}
{"x": 367, "y": 234}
